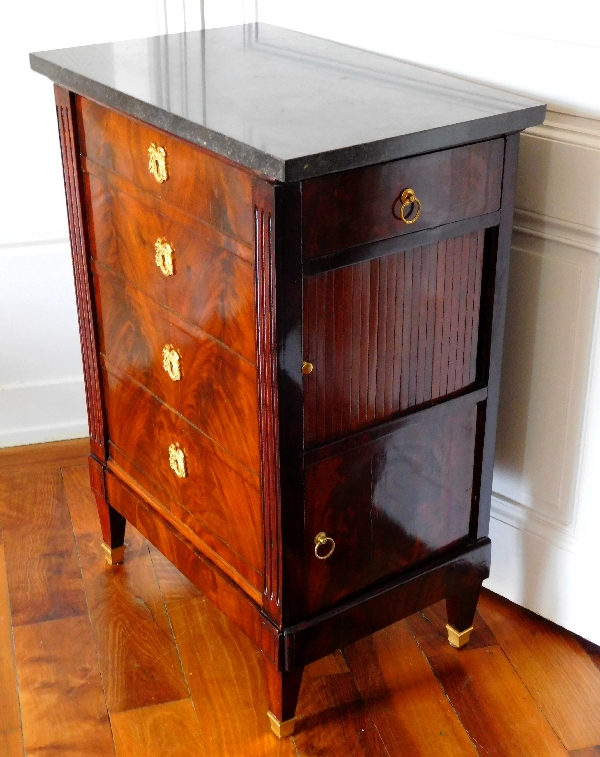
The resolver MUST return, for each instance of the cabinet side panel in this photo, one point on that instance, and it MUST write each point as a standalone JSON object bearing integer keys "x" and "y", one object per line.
{"x": 494, "y": 312}
{"x": 72, "y": 176}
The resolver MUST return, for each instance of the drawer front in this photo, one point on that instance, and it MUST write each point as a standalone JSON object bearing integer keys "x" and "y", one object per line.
{"x": 389, "y": 334}
{"x": 216, "y": 489}
{"x": 211, "y": 285}
{"x": 197, "y": 181}
{"x": 364, "y": 205}
{"x": 388, "y": 504}
{"x": 208, "y": 384}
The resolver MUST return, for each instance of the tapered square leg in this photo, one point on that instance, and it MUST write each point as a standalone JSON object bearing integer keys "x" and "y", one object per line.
{"x": 461, "y": 611}
{"x": 282, "y": 691}
{"x": 112, "y": 524}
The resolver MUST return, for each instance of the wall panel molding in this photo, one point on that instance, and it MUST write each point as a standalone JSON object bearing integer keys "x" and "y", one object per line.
{"x": 517, "y": 516}
{"x": 568, "y": 128}
{"x": 557, "y": 230}
{"x": 540, "y": 505}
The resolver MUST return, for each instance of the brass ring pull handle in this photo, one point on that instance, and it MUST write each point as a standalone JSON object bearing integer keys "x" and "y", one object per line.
{"x": 172, "y": 362}
{"x": 409, "y": 199}
{"x": 321, "y": 540}
{"x": 157, "y": 163}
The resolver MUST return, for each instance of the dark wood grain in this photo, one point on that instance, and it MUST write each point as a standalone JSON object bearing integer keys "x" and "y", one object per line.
{"x": 360, "y": 253}
{"x": 354, "y": 207}
{"x": 386, "y": 698}
{"x": 388, "y": 504}
{"x": 562, "y": 689}
{"x": 50, "y": 455}
{"x": 80, "y": 500}
{"x": 62, "y": 703}
{"x": 10, "y": 718}
{"x": 188, "y": 524}
{"x": 226, "y": 682}
{"x": 408, "y": 707}
{"x": 11, "y": 743}
{"x": 479, "y": 683}
{"x": 202, "y": 572}
{"x": 390, "y": 334}
{"x": 70, "y": 149}
{"x": 428, "y": 626}
{"x": 43, "y": 573}
{"x": 288, "y": 302}
{"x": 212, "y": 281}
{"x": 138, "y": 668}
{"x": 217, "y": 390}
{"x": 592, "y": 649}
{"x": 135, "y": 647}
{"x": 383, "y": 605}
{"x": 204, "y": 185}
{"x": 268, "y": 400}
{"x": 386, "y": 446}
{"x": 174, "y": 586}
{"x": 333, "y": 718}
{"x": 167, "y": 730}
{"x": 218, "y": 491}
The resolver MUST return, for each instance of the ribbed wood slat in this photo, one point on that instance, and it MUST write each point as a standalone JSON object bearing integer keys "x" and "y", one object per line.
{"x": 390, "y": 333}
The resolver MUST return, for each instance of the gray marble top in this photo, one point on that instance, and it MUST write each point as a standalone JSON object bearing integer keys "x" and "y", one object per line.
{"x": 287, "y": 105}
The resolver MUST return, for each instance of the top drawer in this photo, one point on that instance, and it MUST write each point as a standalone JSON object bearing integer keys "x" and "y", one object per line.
{"x": 363, "y": 205}
{"x": 199, "y": 183}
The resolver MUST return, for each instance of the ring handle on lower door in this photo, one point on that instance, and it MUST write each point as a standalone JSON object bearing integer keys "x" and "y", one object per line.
{"x": 321, "y": 540}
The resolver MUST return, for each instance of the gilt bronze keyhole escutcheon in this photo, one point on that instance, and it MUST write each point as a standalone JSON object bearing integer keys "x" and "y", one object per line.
{"x": 172, "y": 362}
{"x": 157, "y": 162}
{"x": 163, "y": 256}
{"x": 177, "y": 460}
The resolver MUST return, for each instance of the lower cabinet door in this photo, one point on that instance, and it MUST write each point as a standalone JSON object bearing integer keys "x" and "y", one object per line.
{"x": 386, "y": 504}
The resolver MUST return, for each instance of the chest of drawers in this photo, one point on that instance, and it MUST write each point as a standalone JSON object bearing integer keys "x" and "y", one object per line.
{"x": 291, "y": 265}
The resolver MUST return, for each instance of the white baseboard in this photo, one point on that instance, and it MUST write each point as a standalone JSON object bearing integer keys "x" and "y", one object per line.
{"x": 42, "y": 412}
{"x": 545, "y": 578}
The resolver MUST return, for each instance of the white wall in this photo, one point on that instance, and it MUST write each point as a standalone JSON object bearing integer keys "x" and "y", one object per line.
{"x": 546, "y": 509}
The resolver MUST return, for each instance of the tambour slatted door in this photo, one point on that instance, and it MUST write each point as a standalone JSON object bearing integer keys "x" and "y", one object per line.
{"x": 390, "y": 334}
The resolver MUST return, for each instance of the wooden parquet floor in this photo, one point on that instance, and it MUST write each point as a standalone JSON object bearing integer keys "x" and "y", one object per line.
{"x": 134, "y": 662}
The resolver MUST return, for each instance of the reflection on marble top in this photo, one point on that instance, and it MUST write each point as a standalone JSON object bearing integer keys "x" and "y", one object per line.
{"x": 283, "y": 103}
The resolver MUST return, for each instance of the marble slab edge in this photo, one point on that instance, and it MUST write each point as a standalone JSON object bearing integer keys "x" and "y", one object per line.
{"x": 294, "y": 169}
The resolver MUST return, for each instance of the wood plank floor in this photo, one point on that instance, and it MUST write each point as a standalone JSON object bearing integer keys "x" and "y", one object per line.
{"x": 133, "y": 661}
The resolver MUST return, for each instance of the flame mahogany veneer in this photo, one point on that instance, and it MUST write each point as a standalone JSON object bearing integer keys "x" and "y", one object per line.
{"x": 386, "y": 445}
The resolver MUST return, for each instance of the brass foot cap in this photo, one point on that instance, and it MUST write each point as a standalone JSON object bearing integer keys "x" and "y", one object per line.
{"x": 113, "y": 556}
{"x": 281, "y": 729}
{"x": 458, "y": 639}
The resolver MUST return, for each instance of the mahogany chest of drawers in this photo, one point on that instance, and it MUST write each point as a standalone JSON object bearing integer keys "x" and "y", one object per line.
{"x": 291, "y": 265}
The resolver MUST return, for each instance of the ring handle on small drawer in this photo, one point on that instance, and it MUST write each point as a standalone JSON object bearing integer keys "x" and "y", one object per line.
{"x": 321, "y": 540}
{"x": 177, "y": 460}
{"x": 172, "y": 362}
{"x": 157, "y": 162}
{"x": 164, "y": 256}
{"x": 408, "y": 199}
